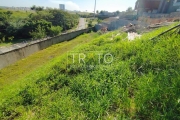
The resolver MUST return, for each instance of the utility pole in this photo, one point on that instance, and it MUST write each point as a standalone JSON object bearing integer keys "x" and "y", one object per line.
{"x": 95, "y": 10}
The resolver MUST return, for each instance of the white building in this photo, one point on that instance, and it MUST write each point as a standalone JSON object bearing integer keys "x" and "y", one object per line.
{"x": 61, "y": 6}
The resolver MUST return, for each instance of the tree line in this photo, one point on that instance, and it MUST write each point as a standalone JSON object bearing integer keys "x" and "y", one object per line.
{"x": 36, "y": 25}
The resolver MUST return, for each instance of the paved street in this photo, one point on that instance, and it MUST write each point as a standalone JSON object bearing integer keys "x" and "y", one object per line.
{"x": 82, "y": 24}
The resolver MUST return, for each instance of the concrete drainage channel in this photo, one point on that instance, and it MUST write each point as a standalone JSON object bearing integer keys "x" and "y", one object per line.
{"x": 14, "y": 53}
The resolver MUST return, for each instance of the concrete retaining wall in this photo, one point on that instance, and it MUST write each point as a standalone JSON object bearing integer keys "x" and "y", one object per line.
{"x": 10, "y": 57}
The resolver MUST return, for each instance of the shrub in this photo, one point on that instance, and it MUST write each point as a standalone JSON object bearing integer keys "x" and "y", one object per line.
{"x": 32, "y": 26}
{"x": 38, "y": 33}
{"x": 99, "y": 21}
{"x": 90, "y": 24}
{"x": 13, "y": 23}
{"x": 11, "y": 38}
{"x": 55, "y": 30}
{"x": 2, "y": 39}
{"x": 64, "y": 19}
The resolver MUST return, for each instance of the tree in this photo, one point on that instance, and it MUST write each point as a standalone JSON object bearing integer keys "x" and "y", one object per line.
{"x": 99, "y": 21}
{"x": 38, "y": 33}
{"x": 41, "y": 15}
{"x": 117, "y": 12}
{"x": 63, "y": 19}
{"x": 5, "y": 18}
{"x": 129, "y": 9}
{"x": 37, "y": 8}
{"x": 5, "y": 23}
{"x": 101, "y": 12}
{"x": 90, "y": 24}
{"x": 39, "y": 24}
{"x": 97, "y": 11}
{"x": 33, "y": 7}
{"x": 32, "y": 25}
{"x": 55, "y": 30}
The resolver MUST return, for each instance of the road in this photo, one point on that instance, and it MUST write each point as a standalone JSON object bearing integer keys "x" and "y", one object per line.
{"x": 82, "y": 24}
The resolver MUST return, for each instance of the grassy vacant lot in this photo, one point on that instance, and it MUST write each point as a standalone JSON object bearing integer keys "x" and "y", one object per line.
{"x": 143, "y": 82}
{"x": 18, "y": 13}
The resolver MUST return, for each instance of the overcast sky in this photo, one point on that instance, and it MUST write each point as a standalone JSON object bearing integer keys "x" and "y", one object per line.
{"x": 82, "y": 5}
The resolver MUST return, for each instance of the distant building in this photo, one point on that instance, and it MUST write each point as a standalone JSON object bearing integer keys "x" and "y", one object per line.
{"x": 16, "y": 8}
{"x": 61, "y": 6}
{"x": 157, "y": 6}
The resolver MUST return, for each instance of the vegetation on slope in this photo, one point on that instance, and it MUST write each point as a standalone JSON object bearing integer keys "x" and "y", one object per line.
{"x": 143, "y": 82}
{"x": 15, "y": 25}
{"x": 18, "y": 14}
{"x": 25, "y": 66}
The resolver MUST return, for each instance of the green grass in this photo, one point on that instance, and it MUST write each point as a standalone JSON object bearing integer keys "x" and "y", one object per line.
{"x": 94, "y": 21}
{"x": 5, "y": 44}
{"x": 13, "y": 42}
{"x": 143, "y": 82}
{"x": 18, "y": 13}
{"x": 25, "y": 66}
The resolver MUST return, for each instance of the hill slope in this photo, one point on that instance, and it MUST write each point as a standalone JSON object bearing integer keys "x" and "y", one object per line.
{"x": 142, "y": 82}
{"x": 25, "y": 66}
